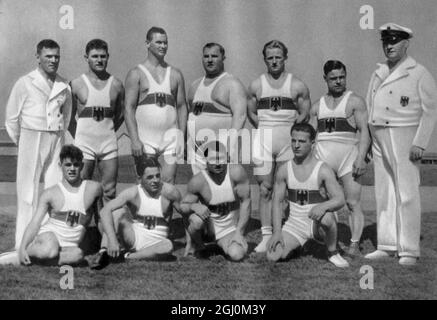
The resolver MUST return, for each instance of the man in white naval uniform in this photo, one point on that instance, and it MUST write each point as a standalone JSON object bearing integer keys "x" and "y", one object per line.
{"x": 37, "y": 115}
{"x": 402, "y": 105}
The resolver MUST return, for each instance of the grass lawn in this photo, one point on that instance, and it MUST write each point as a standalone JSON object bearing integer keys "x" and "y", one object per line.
{"x": 307, "y": 275}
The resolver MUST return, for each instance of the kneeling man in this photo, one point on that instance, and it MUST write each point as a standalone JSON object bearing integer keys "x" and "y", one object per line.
{"x": 313, "y": 194}
{"x": 218, "y": 198}
{"x": 140, "y": 216}
{"x": 71, "y": 205}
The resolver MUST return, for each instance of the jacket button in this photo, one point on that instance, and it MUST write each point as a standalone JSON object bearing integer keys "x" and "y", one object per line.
{"x": 48, "y": 114}
{"x": 387, "y": 108}
{"x": 373, "y": 121}
{"x": 386, "y": 122}
{"x": 391, "y": 92}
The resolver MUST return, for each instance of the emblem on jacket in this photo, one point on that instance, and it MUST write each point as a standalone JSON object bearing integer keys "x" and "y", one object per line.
{"x": 404, "y": 101}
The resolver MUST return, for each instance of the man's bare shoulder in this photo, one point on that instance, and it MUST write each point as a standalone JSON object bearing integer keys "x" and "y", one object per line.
{"x": 254, "y": 86}
{"x": 357, "y": 102}
{"x": 282, "y": 171}
{"x": 170, "y": 191}
{"x": 176, "y": 73}
{"x": 193, "y": 87}
{"x": 117, "y": 84}
{"x": 77, "y": 84}
{"x": 237, "y": 173}
{"x": 298, "y": 85}
{"x": 93, "y": 187}
{"x": 196, "y": 183}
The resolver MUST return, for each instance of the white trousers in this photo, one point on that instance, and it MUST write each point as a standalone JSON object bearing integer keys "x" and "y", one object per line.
{"x": 397, "y": 194}
{"x": 38, "y": 156}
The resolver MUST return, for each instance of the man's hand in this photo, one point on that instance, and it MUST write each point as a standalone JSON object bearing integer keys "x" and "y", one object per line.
{"x": 137, "y": 148}
{"x": 416, "y": 153}
{"x": 24, "y": 257}
{"x": 203, "y": 212}
{"x": 113, "y": 248}
{"x": 274, "y": 240}
{"x": 358, "y": 168}
{"x": 317, "y": 213}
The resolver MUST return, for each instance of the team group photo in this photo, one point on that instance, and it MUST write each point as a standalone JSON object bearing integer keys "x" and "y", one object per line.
{"x": 218, "y": 150}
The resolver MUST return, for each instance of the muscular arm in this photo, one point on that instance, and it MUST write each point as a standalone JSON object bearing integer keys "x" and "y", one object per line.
{"x": 360, "y": 115}
{"x": 125, "y": 197}
{"x": 132, "y": 89}
{"x": 314, "y": 115}
{"x": 303, "y": 102}
{"x": 252, "y": 112}
{"x": 181, "y": 104}
{"x": 242, "y": 187}
{"x": 174, "y": 196}
{"x": 190, "y": 203}
{"x": 119, "y": 106}
{"x": 279, "y": 192}
{"x": 238, "y": 104}
{"x": 336, "y": 197}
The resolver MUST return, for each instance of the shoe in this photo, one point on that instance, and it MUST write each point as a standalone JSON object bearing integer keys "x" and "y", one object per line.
{"x": 98, "y": 261}
{"x": 408, "y": 261}
{"x": 9, "y": 258}
{"x": 378, "y": 254}
{"x": 338, "y": 261}
{"x": 262, "y": 246}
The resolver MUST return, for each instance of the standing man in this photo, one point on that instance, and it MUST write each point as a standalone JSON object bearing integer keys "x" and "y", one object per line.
{"x": 218, "y": 199}
{"x": 98, "y": 100}
{"x": 343, "y": 140}
{"x": 300, "y": 181}
{"x": 402, "y": 104}
{"x": 37, "y": 114}
{"x": 217, "y": 104}
{"x": 155, "y": 106}
{"x": 277, "y": 100}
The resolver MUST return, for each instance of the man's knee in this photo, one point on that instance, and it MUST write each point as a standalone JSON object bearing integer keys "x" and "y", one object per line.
{"x": 195, "y": 222}
{"x": 166, "y": 247}
{"x": 46, "y": 246}
{"x": 236, "y": 252}
{"x": 328, "y": 220}
{"x": 265, "y": 190}
{"x": 109, "y": 190}
{"x": 353, "y": 204}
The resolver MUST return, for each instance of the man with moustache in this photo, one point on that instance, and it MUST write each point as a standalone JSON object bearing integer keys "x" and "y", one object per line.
{"x": 277, "y": 100}
{"x": 343, "y": 141}
{"x": 37, "y": 115}
{"x": 155, "y": 106}
{"x": 218, "y": 107}
{"x": 98, "y": 100}
{"x": 402, "y": 105}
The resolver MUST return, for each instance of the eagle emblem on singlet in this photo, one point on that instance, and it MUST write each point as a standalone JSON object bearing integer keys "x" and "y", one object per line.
{"x": 302, "y": 197}
{"x": 149, "y": 222}
{"x": 98, "y": 113}
{"x": 223, "y": 209}
{"x": 198, "y": 107}
{"x": 330, "y": 124}
{"x": 275, "y": 103}
{"x": 72, "y": 219}
{"x": 160, "y": 99}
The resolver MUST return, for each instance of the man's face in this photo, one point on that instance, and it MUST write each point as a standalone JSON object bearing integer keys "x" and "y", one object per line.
{"x": 275, "y": 60}
{"x": 336, "y": 81}
{"x": 213, "y": 60}
{"x": 216, "y": 162}
{"x": 71, "y": 170}
{"x": 301, "y": 143}
{"x": 97, "y": 59}
{"x": 48, "y": 60}
{"x": 151, "y": 179}
{"x": 158, "y": 45}
{"x": 395, "y": 51}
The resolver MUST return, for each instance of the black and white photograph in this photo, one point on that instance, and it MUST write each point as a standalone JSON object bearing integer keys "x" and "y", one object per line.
{"x": 221, "y": 151}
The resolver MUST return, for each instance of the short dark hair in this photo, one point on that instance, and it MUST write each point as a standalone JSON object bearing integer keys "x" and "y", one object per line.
{"x": 214, "y": 44}
{"x": 275, "y": 44}
{"x": 143, "y": 162}
{"x": 96, "y": 44}
{"x": 214, "y": 145}
{"x": 71, "y": 152}
{"x": 46, "y": 43}
{"x": 152, "y": 31}
{"x": 304, "y": 127}
{"x": 333, "y": 65}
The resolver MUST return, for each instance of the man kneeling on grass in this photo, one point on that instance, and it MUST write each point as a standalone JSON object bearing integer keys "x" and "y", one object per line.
{"x": 218, "y": 199}
{"x": 141, "y": 214}
{"x": 71, "y": 205}
{"x": 311, "y": 211}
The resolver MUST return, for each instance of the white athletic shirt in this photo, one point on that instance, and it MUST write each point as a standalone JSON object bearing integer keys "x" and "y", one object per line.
{"x": 207, "y": 116}
{"x": 339, "y": 112}
{"x": 74, "y": 201}
{"x": 270, "y": 118}
{"x": 149, "y": 206}
{"x": 311, "y": 184}
{"x": 220, "y": 193}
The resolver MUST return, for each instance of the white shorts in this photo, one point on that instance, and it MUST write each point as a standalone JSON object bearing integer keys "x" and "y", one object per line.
{"x": 91, "y": 154}
{"x": 168, "y": 146}
{"x": 145, "y": 238}
{"x": 300, "y": 227}
{"x": 339, "y": 156}
{"x": 272, "y": 144}
{"x": 222, "y": 225}
{"x": 67, "y": 236}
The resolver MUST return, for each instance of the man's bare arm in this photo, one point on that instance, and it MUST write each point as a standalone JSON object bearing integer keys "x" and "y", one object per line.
{"x": 238, "y": 104}
{"x": 119, "y": 105}
{"x": 132, "y": 90}
{"x": 303, "y": 102}
{"x": 314, "y": 114}
{"x": 181, "y": 103}
{"x": 243, "y": 192}
{"x": 279, "y": 192}
{"x": 252, "y": 111}
{"x": 360, "y": 115}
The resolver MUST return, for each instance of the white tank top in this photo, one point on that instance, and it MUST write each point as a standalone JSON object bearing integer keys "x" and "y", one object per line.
{"x": 338, "y": 112}
{"x": 74, "y": 201}
{"x": 269, "y": 117}
{"x": 148, "y": 205}
{"x": 220, "y": 193}
{"x": 155, "y": 87}
{"x": 206, "y": 114}
{"x": 98, "y": 98}
{"x": 311, "y": 184}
